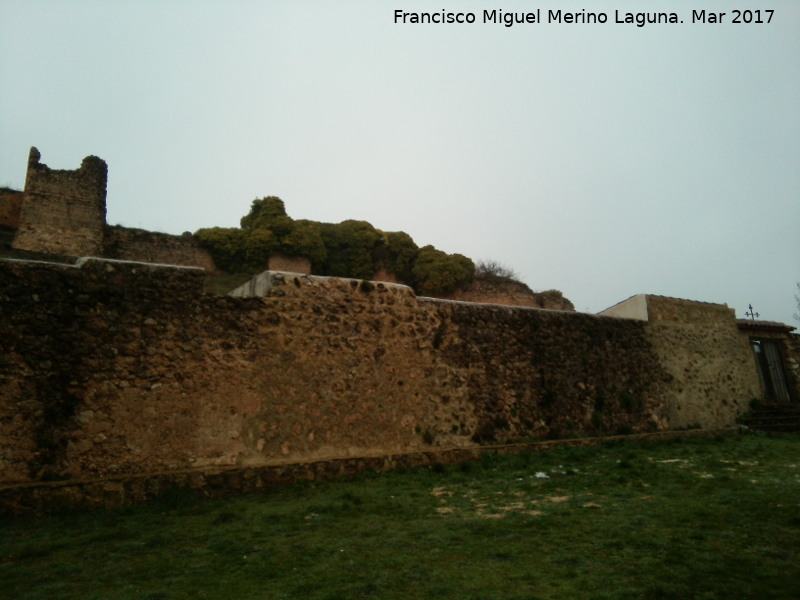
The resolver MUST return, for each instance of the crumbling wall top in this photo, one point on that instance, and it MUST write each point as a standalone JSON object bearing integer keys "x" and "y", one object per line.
{"x": 92, "y": 168}
{"x": 63, "y": 211}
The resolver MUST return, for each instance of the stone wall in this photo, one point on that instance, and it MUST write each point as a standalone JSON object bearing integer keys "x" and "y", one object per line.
{"x": 113, "y": 369}
{"x": 690, "y": 312}
{"x": 708, "y": 361}
{"x": 124, "y": 243}
{"x": 510, "y": 293}
{"x": 289, "y": 264}
{"x": 10, "y": 207}
{"x": 63, "y": 211}
{"x": 711, "y": 370}
{"x": 789, "y": 345}
{"x": 792, "y": 353}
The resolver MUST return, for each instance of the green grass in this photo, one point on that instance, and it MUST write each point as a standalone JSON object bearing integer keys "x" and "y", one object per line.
{"x": 697, "y": 519}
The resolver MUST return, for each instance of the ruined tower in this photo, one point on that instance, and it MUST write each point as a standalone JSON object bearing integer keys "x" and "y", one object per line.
{"x": 64, "y": 211}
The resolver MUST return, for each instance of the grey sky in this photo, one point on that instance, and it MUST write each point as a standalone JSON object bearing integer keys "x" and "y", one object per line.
{"x": 603, "y": 160}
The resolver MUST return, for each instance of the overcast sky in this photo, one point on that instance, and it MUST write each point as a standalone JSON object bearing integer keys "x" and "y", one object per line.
{"x": 603, "y": 160}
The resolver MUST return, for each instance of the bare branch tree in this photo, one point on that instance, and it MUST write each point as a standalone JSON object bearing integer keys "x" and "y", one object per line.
{"x": 493, "y": 269}
{"x": 797, "y": 299}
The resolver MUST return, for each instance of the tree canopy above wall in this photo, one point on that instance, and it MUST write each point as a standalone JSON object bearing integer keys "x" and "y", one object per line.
{"x": 348, "y": 249}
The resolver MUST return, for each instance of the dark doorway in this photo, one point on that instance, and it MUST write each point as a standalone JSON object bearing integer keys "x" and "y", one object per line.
{"x": 770, "y": 370}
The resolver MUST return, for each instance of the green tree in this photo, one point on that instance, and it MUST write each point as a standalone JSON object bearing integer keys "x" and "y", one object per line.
{"x": 350, "y": 246}
{"x": 305, "y": 239}
{"x": 437, "y": 273}
{"x": 264, "y": 212}
{"x": 399, "y": 254}
{"x": 227, "y": 246}
{"x": 492, "y": 269}
{"x": 347, "y": 249}
{"x": 259, "y": 245}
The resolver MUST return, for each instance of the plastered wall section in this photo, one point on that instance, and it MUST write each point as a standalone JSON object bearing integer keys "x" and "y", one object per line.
{"x": 634, "y": 307}
{"x": 111, "y": 368}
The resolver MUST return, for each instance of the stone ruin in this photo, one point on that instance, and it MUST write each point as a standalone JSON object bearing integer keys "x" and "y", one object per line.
{"x": 64, "y": 211}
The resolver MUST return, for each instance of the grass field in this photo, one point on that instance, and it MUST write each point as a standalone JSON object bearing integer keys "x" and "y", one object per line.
{"x": 686, "y": 519}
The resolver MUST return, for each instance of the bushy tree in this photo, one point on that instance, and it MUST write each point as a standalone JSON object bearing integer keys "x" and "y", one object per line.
{"x": 399, "y": 252}
{"x": 347, "y": 249}
{"x": 264, "y": 212}
{"x": 227, "y": 246}
{"x": 259, "y": 245}
{"x": 350, "y": 246}
{"x": 436, "y": 273}
{"x": 305, "y": 239}
{"x": 492, "y": 269}
{"x": 269, "y": 230}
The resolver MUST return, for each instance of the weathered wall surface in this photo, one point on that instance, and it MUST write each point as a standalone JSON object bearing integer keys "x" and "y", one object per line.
{"x": 545, "y": 374}
{"x": 792, "y": 353}
{"x": 111, "y": 368}
{"x": 124, "y": 243}
{"x": 688, "y": 312}
{"x": 511, "y": 293}
{"x": 63, "y": 211}
{"x": 709, "y": 362}
{"x": 789, "y": 349}
{"x": 119, "y": 368}
{"x": 10, "y": 206}
{"x": 289, "y": 264}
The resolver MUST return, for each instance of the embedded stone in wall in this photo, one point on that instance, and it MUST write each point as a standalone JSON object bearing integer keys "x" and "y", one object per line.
{"x": 63, "y": 211}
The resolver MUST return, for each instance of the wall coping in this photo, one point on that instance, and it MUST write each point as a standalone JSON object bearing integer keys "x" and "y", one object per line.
{"x": 88, "y": 261}
{"x": 264, "y": 282}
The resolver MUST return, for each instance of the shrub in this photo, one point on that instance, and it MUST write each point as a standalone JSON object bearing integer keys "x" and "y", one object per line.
{"x": 259, "y": 245}
{"x": 436, "y": 272}
{"x": 305, "y": 239}
{"x": 350, "y": 246}
{"x": 227, "y": 246}
{"x": 399, "y": 254}
{"x": 264, "y": 213}
{"x": 348, "y": 249}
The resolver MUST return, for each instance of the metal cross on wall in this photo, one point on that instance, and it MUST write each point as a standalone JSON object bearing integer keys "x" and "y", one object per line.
{"x": 751, "y": 314}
